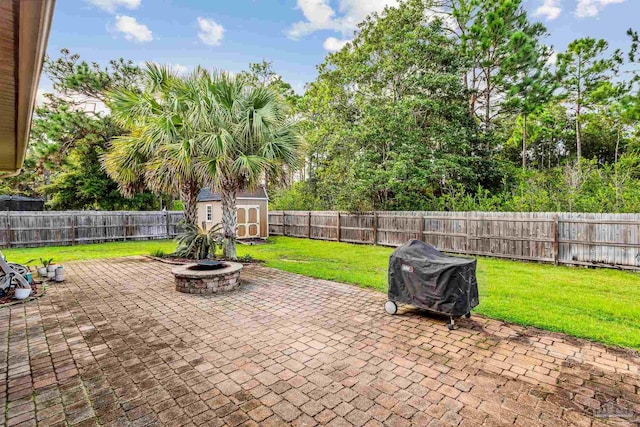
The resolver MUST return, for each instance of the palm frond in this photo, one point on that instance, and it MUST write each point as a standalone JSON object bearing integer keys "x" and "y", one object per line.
{"x": 205, "y": 127}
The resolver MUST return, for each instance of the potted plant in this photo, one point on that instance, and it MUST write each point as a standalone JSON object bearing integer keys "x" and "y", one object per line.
{"x": 48, "y": 268}
{"x": 31, "y": 267}
{"x": 42, "y": 271}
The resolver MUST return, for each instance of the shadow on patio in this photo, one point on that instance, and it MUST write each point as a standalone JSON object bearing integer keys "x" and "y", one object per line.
{"x": 116, "y": 345}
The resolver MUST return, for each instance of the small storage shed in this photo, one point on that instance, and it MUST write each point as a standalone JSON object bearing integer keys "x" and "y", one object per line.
{"x": 252, "y": 212}
{"x": 21, "y": 203}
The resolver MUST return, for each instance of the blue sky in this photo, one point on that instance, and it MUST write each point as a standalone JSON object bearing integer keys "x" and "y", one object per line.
{"x": 294, "y": 34}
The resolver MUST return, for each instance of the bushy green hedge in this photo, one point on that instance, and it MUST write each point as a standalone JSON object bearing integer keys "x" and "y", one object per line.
{"x": 572, "y": 188}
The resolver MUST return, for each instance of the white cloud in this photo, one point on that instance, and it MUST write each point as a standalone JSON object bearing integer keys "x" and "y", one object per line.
{"x": 355, "y": 11}
{"x": 319, "y": 15}
{"x": 77, "y": 102}
{"x": 112, "y": 5}
{"x": 550, "y": 9}
{"x": 553, "y": 58}
{"x": 40, "y": 98}
{"x": 210, "y": 31}
{"x": 179, "y": 69}
{"x": 132, "y": 29}
{"x": 591, "y": 8}
{"x": 333, "y": 44}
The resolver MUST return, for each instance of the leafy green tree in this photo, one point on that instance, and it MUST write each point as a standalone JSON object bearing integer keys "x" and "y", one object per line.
{"x": 548, "y": 131}
{"x": 88, "y": 83}
{"x": 262, "y": 74}
{"x": 583, "y": 68}
{"x": 531, "y": 85}
{"x": 206, "y": 128}
{"x": 81, "y": 184}
{"x": 70, "y": 131}
{"x": 246, "y": 133}
{"x": 26, "y": 183}
{"x": 497, "y": 41}
{"x": 299, "y": 196}
{"x": 387, "y": 120}
{"x": 161, "y": 150}
{"x": 554, "y": 133}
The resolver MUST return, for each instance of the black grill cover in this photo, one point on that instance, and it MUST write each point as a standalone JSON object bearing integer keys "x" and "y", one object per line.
{"x": 422, "y": 276}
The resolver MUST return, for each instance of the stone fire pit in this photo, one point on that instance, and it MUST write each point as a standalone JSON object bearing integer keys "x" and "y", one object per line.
{"x": 200, "y": 279}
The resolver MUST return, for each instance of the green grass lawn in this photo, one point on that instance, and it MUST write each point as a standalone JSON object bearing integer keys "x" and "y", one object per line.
{"x": 603, "y": 305}
{"x": 61, "y": 254}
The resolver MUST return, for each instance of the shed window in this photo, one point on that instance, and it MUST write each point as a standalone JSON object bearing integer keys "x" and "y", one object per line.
{"x": 209, "y": 213}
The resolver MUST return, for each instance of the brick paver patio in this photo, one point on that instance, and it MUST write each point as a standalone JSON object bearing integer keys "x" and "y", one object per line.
{"x": 116, "y": 345}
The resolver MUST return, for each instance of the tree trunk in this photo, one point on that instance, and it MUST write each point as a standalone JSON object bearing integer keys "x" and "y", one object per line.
{"x": 524, "y": 141}
{"x": 189, "y": 196}
{"x": 229, "y": 221}
{"x": 578, "y": 138}
{"x": 487, "y": 101}
{"x": 617, "y": 143}
{"x": 472, "y": 102}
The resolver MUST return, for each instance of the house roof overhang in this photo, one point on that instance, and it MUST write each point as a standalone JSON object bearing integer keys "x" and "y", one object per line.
{"x": 24, "y": 31}
{"x": 258, "y": 193}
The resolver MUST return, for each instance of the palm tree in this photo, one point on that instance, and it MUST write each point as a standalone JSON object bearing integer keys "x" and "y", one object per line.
{"x": 208, "y": 128}
{"x": 161, "y": 150}
{"x": 246, "y": 134}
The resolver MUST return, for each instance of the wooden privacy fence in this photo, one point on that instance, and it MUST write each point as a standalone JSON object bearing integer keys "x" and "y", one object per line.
{"x": 605, "y": 240}
{"x": 31, "y": 229}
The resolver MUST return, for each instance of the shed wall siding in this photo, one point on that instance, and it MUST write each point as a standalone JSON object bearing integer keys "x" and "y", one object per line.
{"x": 217, "y": 213}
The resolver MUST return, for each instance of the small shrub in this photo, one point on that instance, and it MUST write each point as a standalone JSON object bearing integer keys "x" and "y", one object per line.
{"x": 158, "y": 253}
{"x": 245, "y": 258}
{"x": 197, "y": 243}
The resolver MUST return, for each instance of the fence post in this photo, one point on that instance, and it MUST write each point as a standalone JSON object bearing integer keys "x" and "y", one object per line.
{"x": 8, "y": 229}
{"x": 284, "y": 227}
{"x": 375, "y": 227}
{"x": 556, "y": 232}
{"x": 338, "y": 229}
{"x": 421, "y": 228}
{"x": 308, "y": 224}
{"x": 73, "y": 230}
{"x": 126, "y": 224}
{"x": 466, "y": 226}
{"x": 166, "y": 222}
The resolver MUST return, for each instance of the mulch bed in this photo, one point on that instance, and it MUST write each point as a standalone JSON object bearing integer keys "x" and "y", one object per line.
{"x": 37, "y": 290}
{"x": 180, "y": 261}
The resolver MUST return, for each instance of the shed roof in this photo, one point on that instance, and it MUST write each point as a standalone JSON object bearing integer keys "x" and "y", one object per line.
{"x": 206, "y": 195}
{"x": 4, "y": 197}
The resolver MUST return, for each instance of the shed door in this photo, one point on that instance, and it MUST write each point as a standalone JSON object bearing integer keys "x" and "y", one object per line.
{"x": 248, "y": 221}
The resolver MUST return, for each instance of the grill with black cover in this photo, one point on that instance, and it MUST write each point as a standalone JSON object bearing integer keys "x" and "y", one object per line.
{"x": 424, "y": 277}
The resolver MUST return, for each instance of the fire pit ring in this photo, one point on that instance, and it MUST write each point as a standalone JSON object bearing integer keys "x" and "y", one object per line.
{"x": 207, "y": 278}
{"x": 208, "y": 265}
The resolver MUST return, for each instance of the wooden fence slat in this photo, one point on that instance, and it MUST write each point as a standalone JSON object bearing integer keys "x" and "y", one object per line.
{"x": 73, "y": 230}
{"x": 166, "y": 222}
{"x": 375, "y": 228}
{"x": 33, "y": 229}
{"x": 556, "y": 239}
{"x": 561, "y": 238}
{"x": 611, "y": 240}
{"x": 8, "y": 229}
{"x": 284, "y": 223}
